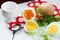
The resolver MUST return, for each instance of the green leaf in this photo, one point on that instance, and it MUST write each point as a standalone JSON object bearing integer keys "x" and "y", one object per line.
{"x": 39, "y": 10}
{"x": 45, "y": 20}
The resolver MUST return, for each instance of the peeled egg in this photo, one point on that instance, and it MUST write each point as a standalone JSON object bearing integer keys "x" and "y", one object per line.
{"x": 47, "y": 8}
{"x": 53, "y": 28}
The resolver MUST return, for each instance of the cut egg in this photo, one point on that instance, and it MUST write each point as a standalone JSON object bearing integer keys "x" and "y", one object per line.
{"x": 31, "y": 26}
{"x": 53, "y": 28}
{"x": 29, "y": 14}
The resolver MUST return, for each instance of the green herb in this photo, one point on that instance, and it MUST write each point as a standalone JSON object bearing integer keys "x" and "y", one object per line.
{"x": 45, "y": 20}
{"x": 57, "y": 18}
{"x": 39, "y": 10}
{"x": 45, "y": 37}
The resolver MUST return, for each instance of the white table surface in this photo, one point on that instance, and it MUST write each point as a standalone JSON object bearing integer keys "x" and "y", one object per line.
{"x": 6, "y": 34}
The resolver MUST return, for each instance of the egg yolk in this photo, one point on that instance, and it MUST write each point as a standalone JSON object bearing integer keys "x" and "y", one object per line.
{"x": 31, "y": 26}
{"x": 28, "y": 14}
{"x": 53, "y": 29}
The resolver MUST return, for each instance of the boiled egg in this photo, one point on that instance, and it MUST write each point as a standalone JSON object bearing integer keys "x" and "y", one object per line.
{"x": 29, "y": 14}
{"x": 46, "y": 9}
{"x": 53, "y": 29}
{"x": 31, "y": 26}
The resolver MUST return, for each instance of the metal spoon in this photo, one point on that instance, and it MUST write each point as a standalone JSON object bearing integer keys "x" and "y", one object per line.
{"x": 15, "y": 28}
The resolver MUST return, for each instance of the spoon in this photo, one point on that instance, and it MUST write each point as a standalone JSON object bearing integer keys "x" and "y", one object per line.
{"x": 15, "y": 28}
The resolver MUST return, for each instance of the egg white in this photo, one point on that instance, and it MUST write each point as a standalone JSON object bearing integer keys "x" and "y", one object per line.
{"x": 33, "y": 10}
{"x": 28, "y": 30}
{"x": 57, "y": 34}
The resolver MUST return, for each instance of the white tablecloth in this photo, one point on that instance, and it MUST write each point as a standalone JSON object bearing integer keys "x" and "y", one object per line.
{"x": 6, "y": 34}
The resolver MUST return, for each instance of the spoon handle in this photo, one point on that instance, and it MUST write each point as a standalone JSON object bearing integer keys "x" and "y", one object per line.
{"x": 13, "y": 34}
{"x": 13, "y": 37}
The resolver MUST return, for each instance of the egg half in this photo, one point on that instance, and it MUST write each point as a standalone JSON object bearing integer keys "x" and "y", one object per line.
{"x": 53, "y": 28}
{"x": 29, "y": 14}
{"x": 31, "y": 26}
